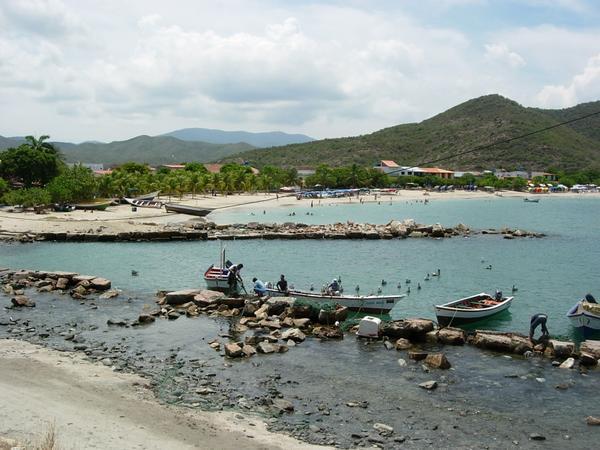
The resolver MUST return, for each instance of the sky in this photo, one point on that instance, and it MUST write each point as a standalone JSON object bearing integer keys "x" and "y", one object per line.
{"x": 110, "y": 70}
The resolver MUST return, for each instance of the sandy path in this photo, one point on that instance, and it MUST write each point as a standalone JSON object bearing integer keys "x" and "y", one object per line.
{"x": 94, "y": 407}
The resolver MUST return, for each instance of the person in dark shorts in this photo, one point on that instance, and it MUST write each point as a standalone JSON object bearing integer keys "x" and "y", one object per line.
{"x": 282, "y": 284}
{"x": 536, "y": 321}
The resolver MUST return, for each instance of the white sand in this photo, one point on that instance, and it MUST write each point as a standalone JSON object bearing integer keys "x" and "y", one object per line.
{"x": 93, "y": 407}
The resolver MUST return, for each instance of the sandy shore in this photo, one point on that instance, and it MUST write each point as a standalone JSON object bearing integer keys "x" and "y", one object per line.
{"x": 92, "y": 406}
{"x": 121, "y": 218}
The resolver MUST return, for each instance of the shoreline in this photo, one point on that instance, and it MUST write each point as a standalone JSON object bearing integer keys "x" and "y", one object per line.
{"x": 90, "y": 405}
{"x": 121, "y": 219}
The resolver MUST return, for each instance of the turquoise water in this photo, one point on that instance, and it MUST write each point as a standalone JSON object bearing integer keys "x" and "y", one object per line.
{"x": 550, "y": 273}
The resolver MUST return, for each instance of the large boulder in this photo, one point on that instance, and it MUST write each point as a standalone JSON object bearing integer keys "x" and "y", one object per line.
{"x": 437, "y": 230}
{"x": 22, "y": 301}
{"x": 397, "y": 228}
{"x": 328, "y": 333}
{"x": 100, "y": 284}
{"x": 233, "y": 350}
{"x": 294, "y": 334}
{"x": 592, "y": 347}
{"x": 266, "y": 347}
{"x": 437, "y": 361}
{"x": 412, "y": 329}
{"x": 502, "y": 342}
{"x": 561, "y": 349}
{"x": 451, "y": 336}
{"x": 180, "y": 297}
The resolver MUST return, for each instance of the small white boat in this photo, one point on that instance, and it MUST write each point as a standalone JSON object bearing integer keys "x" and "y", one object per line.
{"x": 150, "y": 196}
{"x": 216, "y": 276}
{"x": 585, "y": 316}
{"x": 143, "y": 203}
{"x": 471, "y": 309}
{"x": 376, "y": 304}
{"x": 531, "y": 200}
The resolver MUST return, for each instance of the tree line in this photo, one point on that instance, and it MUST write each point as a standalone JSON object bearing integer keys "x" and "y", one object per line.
{"x": 34, "y": 173}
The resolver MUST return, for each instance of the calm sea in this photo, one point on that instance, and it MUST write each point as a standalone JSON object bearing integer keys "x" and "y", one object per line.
{"x": 550, "y": 273}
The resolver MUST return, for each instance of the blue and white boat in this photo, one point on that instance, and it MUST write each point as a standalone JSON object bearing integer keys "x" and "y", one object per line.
{"x": 585, "y": 315}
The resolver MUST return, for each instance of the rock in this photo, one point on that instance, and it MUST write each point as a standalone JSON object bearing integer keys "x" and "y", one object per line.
{"x": 429, "y": 385}
{"x": 22, "y": 301}
{"x": 567, "y": 364}
{"x": 301, "y": 323}
{"x": 248, "y": 350}
{"x": 388, "y": 345}
{"x": 100, "y": 284}
{"x": 412, "y": 329}
{"x": 276, "y": 308}
{"x": 587, "y": 359}
{"x": 437, "y": 361}
{"x": 249, "y": 309}
{"x": 117, "y": 322}
{"x": 323, "y": 332}
{"x": 146, "y": 318}
{"x": 437, "y": 230}
{"x": 282, "y": 405}
{"x": 180, "y": 297}
{"x": 561, "y": 349}
{"x": 233, "y": 350}
{"x": 403, "y": 344}
{"x": 294, "y": 334}
{"x": 271, "y": 324}
{"x": 111, "y": 293}
{"x": 591, "y": 420}
{"x": 417, "y": 356}
{"x": 537, "y": 437}
{"x": 592, "y": 347}
{"x": 401, "y": 362}
{"x": 62, "y": 283}
{"x": 383, "y": 429}
{"x": 46, "y": 288}
{"x": 451, "y": 336}
{"x": 215, "y": 345}
{"x": 79, "y": 290}
{"x": 266, "y": 347}
{"x": 107, "y": 361}
{"x": 173, "y": 315}
{"x": 261, "y": 313}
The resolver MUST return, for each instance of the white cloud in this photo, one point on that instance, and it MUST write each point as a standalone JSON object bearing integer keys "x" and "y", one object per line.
{"x": 584, "y": 86}
{"x": 501, "y": 54}
{"x": 50, "y": 18}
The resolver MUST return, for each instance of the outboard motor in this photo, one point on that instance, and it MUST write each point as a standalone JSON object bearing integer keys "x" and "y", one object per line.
{"x": 498, "y": 296}
{"x": 590, "y": 298}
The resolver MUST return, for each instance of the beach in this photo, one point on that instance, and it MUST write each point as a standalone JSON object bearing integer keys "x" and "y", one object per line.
{"x": 121, "y": 218}
{"x": 90, "y": 405}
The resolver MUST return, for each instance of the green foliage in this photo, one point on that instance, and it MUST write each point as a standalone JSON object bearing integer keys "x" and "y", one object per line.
{"x": 74, "y": 184}
{"x": 4, "y": 186}
{"x": 35, "y": 162}
{"x": 133, "y": 167}
{"x": 195, "y": 167}
{"x": 470, "y": 125}
{"x": 352, "y": 176}
{"x": 27, "y": 197}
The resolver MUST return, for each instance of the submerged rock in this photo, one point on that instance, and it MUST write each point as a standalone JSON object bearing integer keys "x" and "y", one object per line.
{"x": 429, "y": 385}
{"x": 22, "y": 301}
{"x": 437, "y": 361}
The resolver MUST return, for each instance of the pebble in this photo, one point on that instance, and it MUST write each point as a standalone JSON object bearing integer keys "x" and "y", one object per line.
{"x": 537, "y": 437}
{"x": 429, "y": 385}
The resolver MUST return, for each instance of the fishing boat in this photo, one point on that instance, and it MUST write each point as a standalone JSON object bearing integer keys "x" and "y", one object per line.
{"x": 215, "y": 277}
{"x": 585, "y": 315}
{"x": 531, "y": 200}
{"x": 377, "y": 304}
{"x": 95, "y": 206}
{"x": 184, "y": 209}
{"x": 143, "y": 203}
{"x": 471, "y": 309}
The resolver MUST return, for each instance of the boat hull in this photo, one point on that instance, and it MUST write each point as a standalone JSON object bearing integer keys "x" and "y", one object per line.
{"x": 583, "y": 320}
{"x": 93, "y": 206}
{"x": 191, "y": 210}
{"x": 369, "y": 304}
{"x": 216, "y": 279}
{"x": 143, "y": 203}
{"x": 452, "y": 314}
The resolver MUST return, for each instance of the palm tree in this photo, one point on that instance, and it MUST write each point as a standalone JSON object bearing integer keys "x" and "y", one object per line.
{"x": 39, "y": 144}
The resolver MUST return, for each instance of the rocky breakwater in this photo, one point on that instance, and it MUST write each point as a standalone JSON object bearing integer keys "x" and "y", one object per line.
{"x": 14, "y": 283}
{"x": 199, "y": 230}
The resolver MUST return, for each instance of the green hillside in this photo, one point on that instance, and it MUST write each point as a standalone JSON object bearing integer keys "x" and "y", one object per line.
{"x": 151, "y": 150}
{"x": 471, "y": 124}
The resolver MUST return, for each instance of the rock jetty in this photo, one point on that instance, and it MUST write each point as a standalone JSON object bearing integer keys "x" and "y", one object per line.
{"x": 196, "y": 230}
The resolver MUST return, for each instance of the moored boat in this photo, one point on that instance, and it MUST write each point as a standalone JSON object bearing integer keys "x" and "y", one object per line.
{"x": 150, "y": 196}
{"x": 531, "y": 200}
{"x": 143, "y": 203}
{"x": 185, "y": 209}
{"x": 585, "y": 315}
{"x": 216, "y": 277}
{"x": 471, "y": 309}
{"x": 96, "y": 206}
{"x": 377, "y": 304}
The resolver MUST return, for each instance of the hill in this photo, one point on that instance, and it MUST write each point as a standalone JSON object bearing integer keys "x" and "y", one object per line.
{"x": 269, "y": 139}
{"x": 471, "y": 124}
{"x": 151, "y": 150}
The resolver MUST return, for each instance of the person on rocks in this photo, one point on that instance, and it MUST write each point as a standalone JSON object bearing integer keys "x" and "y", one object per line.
{"x": 233, "y": 277}
{"x": 536, "y": 321}
{"x": 282, "y": 284}
{"x": 259, "y": 287}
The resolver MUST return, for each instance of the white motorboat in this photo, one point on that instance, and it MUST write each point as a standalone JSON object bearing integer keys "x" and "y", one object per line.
{"x": 377, "y": 304}
{"x": 143, "y": 203}
{"x": 471, "y": 309}
{"x": 585, "y": 316}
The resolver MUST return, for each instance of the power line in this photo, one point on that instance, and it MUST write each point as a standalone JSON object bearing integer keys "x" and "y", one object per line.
{"x": 503, "y": 141}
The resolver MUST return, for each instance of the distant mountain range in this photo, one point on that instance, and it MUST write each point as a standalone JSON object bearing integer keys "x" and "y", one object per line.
{"x": 472, "y": 124}
{"x": 190, "y": 144}
{"x": 269, "y": 139}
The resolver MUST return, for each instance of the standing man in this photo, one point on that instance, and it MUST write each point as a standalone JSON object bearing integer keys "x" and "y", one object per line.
{"x": 233, "y": 277}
